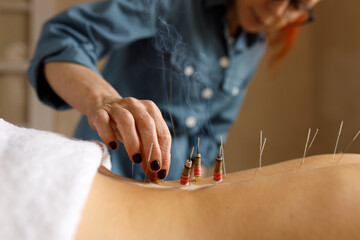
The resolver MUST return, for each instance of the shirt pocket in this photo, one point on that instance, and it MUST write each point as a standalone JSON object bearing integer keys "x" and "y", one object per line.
{"x": 241, "y": 69}
{"x": 190, "y": 75}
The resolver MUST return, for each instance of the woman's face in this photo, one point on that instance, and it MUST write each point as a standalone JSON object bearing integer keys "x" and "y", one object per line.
{"x": 269, "y": 15}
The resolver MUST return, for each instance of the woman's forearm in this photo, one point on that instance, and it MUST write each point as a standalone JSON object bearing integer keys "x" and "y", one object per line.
{"x": 138, "y": 124}
{"x": 78, "y": 86}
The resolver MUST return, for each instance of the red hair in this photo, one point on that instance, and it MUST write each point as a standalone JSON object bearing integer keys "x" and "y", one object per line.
{"x": 284, "y": 39}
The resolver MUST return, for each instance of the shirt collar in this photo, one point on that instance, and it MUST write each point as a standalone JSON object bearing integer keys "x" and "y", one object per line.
{"x": 214, "y": 3}
{"x": 249, "y": 39}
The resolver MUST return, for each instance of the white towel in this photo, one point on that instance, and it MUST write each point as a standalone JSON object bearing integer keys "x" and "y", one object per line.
{"x": 45, "y": 179}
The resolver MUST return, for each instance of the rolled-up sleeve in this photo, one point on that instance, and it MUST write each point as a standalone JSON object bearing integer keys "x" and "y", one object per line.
{"x": 86, "y": 33}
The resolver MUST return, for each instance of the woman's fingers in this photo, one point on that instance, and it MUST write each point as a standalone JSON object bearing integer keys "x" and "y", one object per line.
{"x": 100, "y": 121}
{"x": 150, "y": 175}
{"x": 117, "y": 133}
{"x": 163, "y": 137}
{"x": 146, "y": 127}
{"x": 139, "y": 125}
{"x": 125, "y": 125}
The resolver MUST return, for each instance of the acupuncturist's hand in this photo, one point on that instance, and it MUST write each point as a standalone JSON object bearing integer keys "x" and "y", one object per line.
{"x": 136, "y": 123}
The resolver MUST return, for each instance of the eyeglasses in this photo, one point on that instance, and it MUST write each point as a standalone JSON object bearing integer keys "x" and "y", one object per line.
{"x": 296, "y": 12}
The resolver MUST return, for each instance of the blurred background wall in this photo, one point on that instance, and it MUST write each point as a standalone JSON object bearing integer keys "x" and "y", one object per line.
{"x": 317, "y": 86}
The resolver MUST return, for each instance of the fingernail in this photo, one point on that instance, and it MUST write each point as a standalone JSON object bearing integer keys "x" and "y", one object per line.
{"x": 113, "y": 145}
{"x": 137, "y": 158}
{"x": 161, "y": 174}
{"x": 155, "y": 165}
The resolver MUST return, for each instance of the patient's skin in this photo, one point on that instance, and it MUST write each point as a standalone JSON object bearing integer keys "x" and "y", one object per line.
{"x": 320, "y": 201}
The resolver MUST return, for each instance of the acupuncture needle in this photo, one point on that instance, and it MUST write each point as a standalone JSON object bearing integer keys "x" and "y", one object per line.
{"x": 148, "y": 160}
{"x": 337, "y": 140}
{"x": 348, "y": 146}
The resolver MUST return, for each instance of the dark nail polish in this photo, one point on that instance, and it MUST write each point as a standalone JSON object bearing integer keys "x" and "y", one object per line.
{"x": 137, "y": 158}
{"x": 155, "y": 165}
{"x": 161, "y": 174}
{"x": 113, "y": 145}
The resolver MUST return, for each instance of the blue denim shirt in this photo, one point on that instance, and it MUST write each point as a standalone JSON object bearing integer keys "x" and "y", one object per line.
{"x": 176, "y": 53}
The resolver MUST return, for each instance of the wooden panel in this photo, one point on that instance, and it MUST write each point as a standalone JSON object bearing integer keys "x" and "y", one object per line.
{"x": 40, "y": 116}
{"x": 13, "y": 94}
{"x": 280, "y": 104}
{"x": 337, "y": 85}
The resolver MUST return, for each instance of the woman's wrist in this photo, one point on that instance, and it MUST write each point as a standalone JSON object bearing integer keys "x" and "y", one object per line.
{"x": 79, "y": 86}
{"x": 138, "y": 124}
{"x": 98, "y": 98}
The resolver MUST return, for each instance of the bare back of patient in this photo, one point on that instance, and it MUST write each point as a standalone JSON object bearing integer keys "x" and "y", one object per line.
{"x": 317, "y": 201}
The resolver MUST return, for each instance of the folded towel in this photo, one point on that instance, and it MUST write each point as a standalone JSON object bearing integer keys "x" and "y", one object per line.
{"x": 45, "y": 179}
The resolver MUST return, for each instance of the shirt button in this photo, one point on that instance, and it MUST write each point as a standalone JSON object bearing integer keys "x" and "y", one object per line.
{"x": 224, "y": 62}
{"x": 190, "y": 122}
{"x": 189, "y": 70}
{"x": 207, "y": 93}
{"x": 235, "y": 91}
